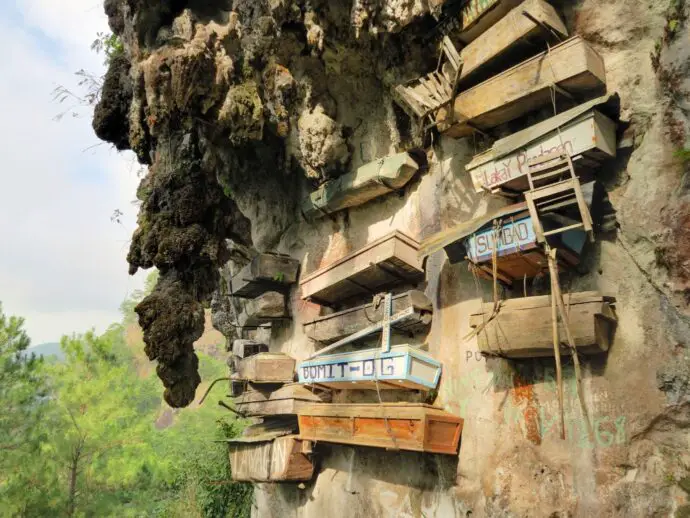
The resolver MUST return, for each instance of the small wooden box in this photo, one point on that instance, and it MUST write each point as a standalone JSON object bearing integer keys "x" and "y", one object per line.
{"x": 287, "y": 400}
{"x": 404, "y": 426}
{"x": 267, "y": 368}
{"x": 385, "y": 262}
{"x": 275, "y": 460}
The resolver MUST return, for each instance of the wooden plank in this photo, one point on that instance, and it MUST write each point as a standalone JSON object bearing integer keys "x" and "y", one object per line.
{"x": 269, "y": 307}
{"x": 591, "y": 321}
{"x": 507, "y": 38}
{"x": 336, "y": 326}
{"x": 403, "y": 367}
{"x": 413, "y": 427}
{"x": 266, "y": 272}
{"x": 267, "y": 368}
{"x": 286, "y": 400}
{"x": 388, "y": 261}
{"x": 477, "y": 16}
{"x": 573, "y": 65}
{"x": 278, "y": 460}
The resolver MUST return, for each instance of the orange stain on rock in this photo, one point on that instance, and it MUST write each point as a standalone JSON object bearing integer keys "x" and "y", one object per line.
{"x": 523, "y": 393}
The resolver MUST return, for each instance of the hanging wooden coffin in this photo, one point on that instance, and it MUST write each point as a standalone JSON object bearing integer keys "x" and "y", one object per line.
{"x": 336, "y": 326}
{"x": 266, "y": 308}
{"x": 477, "y": 16}
{"x": 586, "y": 134}
{"x": 242, "y": 348}
{"x": 591, "y": 320}
{"x": 280, "y": 459}
{"x": 267, "y": 368}
{"x": 403, "y": 367}
{"x": 386, "y": 262}
{"x": 573, "y": 66}
{"x": 287, "y": 400}
{"x": 369, "y": 181}
{"x": 266, "y": 272}
{"x": 533, "y": 21}
{"x": 404, "y": 426}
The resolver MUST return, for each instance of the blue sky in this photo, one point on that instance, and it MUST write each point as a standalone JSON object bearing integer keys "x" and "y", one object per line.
{"x": 62, "y": 260}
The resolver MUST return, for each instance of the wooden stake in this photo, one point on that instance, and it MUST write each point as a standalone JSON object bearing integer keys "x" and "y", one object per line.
{"x": 558, "y": 295}
{"x": 553, "y": 270}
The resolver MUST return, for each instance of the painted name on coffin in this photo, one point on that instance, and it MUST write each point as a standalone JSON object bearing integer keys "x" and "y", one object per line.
{"x": 511, "y": 237}
{"x": 353, "y": 370}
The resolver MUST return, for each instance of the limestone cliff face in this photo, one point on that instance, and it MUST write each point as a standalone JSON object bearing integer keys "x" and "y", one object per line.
{"x": 240, "y": 107}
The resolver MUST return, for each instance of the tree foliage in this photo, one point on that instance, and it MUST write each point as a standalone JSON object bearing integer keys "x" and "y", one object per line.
{"x": 87, "y": 437}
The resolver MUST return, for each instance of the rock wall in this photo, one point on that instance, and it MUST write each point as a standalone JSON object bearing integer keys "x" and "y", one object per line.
{"x": 241, "y": 107}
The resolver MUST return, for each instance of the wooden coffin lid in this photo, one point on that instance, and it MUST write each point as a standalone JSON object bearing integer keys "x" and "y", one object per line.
{"x": 540, "y": 301}
{"x": 416, "y": 411}
{"x": 288, "y": 391}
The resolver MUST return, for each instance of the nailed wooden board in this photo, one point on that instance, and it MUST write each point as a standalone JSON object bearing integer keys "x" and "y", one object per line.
{"x": 269, "y": 307}
{"x": 283, "y": 401}
{"x": 369, "y": 181}
{"x": 572, "y": 65}
{"x": 403, "y": 367}
{"x": 507, "y": 37}
{"x": 336, "y": 326}
{"x": 278, "y": 460}
{"x": 386, "y": 262}
{"x": 405, "y": 426}
{"x": 591, "y": 320}
{"x": 266, "y": 272}
{"x": 267, "y": 368}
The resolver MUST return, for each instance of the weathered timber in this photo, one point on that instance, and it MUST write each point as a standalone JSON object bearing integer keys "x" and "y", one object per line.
{"x": 477, "y": 16}
{"x": 269, "y": 307}
{"x": 278, "y": 460}
{"x": 404, "y": 426}
{"x": 336, "y": 326}
{"x": 266, "y": 272}
{"x": 509, "y": 37}
{"x": 243, "y": 348}
{"x": 369, "y": 181}
{"x": 267, "y": 368}
{"x": 386, "y": 262}
{"x": 403, "y": 367}
{"x": 286, "y": 400}
{"x": 591, "y": 318}
{"x": 581, "y": 132}
{"x": 573, "y": 66}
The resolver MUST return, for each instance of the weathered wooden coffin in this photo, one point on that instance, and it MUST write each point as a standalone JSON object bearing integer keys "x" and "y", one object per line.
{"x": 585, "y": 133}
{"x": 404, "y": 426}
{"x": 267, "y": 368}
{"x": 366, "y": 183}
{"x": 510, "y": 37}
{"x": 477, "y": 16}
{"x": 403, "y": 367}
{"x": 574, "y": 66}
{"x": 280, "y": 459}
{"x": 266, "y": 308}
{"x": 381, "y": 264}
{"x": 336, "y": 326}
{"x": 243, "y": 348}
{"x": 517, "y": 252}
{"x": 591, "y": 318}
{"x": 287, "y": 400}
{"x": 266, "y": 272}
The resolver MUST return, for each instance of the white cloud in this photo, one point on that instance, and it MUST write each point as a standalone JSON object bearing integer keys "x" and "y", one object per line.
{"x": 62, "y": 261}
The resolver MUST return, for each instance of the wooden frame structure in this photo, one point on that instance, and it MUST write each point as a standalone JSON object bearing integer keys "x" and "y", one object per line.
{"x": 397, "y": 426}
{"x": 388, "y": 261}
{"x": 591, "y": 318}
{"x": 572, "y": 68}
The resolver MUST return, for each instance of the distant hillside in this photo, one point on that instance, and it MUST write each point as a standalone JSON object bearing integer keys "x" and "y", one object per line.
{"x": 47, "y": 349}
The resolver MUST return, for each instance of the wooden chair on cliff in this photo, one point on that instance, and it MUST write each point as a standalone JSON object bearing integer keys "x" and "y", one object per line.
{"x": 555, "y": 189}
{"x": 424, "y": 97}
